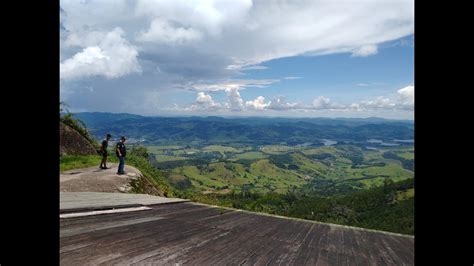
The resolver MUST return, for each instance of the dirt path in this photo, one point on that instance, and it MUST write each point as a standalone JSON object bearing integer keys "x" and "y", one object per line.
{"x": 94, "y": 179}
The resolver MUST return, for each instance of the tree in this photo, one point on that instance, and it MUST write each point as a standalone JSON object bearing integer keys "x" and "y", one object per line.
{"x": 77, "y": 124}
{"x": 140, "y": 151}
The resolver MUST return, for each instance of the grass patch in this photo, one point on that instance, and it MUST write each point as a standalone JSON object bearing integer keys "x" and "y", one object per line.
{"x": 277, "y": 149}
{"x": 154, "y": 177}
{"x": 167, "y": 158}
{"x": 69, "y": 162}
{"x": 406, "y": 155}
{"x": 219, "y": 148}
{"x": 321, "y": 150}
{"x": 403, "y": 195}
{"x": 160, "y": 149}
{"x": 253, "y": 155}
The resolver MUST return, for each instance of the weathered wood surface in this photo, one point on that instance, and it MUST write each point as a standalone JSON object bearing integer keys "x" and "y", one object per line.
{"x": 186, "y": 233}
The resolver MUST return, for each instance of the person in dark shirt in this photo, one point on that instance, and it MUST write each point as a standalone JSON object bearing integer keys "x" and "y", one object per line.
{"x": 121, "y": 152}
{"x": 103, "y": 151}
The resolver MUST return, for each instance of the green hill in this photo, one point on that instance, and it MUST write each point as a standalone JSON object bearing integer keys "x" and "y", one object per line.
{"x": 257, "y": 131}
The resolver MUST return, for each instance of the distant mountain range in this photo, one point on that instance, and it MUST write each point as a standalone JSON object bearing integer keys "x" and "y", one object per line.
{"x": 254, "y": 130}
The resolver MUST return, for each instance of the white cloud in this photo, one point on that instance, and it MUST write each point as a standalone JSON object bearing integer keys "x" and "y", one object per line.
{"x": 209, "y": 16}
{"x": 92, "y": 15}
{"x": 377, "y": 103}
{"x": 199, "y": 43}
{"x": 321, "y": 103}
{"x": 251, "y": 32}
{"x": 232, "y": 84}
{"x": 365, "y": 50}
{"x": 235, "y": 101}
{"x": 291, "y": 78}
{"x": 161, "y": 31}
{"x": 257, "y": 104}
{"x": 405, "y": 101}
{"x": 249, "y": 68}
{"x": 280, "y": 103}
{"x": 206, "y": 100}
{"x": 104, "y": 54}
{"x": 407, "y": 95}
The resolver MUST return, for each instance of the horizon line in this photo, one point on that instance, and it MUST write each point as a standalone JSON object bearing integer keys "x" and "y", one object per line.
{"x": 251, "y": 116}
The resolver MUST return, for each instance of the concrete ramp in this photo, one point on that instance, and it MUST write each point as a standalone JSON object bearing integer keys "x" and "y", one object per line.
{"x": 90, "y": 201}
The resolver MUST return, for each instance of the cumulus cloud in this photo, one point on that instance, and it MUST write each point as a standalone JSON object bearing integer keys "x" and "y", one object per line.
{"x": 104, "y": 54}
{"x": 405, "y": 101}
{"x": 257, "y": 104}
{"x": 206, "y": 100}
{"x": 280, "y": 103}
{"x": 161, "y": 31}
{"x": 407, "y": 95}
{"x": 235, "y": 101}
{"x": 321, "y": 103}
{"x": 378, "y": 103}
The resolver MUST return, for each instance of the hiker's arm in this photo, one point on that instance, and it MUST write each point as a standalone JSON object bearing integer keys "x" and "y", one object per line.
{"x": 120, "y": 154}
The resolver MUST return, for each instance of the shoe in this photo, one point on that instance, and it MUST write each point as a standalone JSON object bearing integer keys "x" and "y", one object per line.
{"x": 105, "y": 167}
{"x": 120, "y": 173}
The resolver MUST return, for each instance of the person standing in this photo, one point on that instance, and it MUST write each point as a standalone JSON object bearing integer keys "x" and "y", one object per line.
{"x": 121, "y": 152}
{"x": 103, "y": 151}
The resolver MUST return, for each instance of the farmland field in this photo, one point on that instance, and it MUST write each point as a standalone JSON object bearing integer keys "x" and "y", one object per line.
{"x": 280, "y": 168}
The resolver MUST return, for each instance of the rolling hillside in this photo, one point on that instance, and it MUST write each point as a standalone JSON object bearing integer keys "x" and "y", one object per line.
{"x": 216, "y": 130}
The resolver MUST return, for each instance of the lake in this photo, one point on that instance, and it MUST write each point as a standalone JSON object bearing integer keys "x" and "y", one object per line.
{"x": 380, "y": 142}
{"x": 404, "y": 140}
{"x": 328, "y": 142}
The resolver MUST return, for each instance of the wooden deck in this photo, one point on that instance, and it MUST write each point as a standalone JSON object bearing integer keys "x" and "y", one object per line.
{"x": 187, "y": 233}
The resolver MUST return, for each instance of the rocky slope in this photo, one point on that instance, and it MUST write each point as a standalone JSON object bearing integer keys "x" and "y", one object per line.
{"x": 71, "y": 142}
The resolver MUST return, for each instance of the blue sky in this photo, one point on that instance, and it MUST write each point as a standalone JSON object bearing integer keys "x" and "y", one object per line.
{"x": 249, "y": 58}
{"x": 340, "y": 76}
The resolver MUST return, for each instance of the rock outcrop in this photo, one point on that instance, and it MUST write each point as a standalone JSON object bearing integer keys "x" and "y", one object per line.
{"x": 71, "y": 142}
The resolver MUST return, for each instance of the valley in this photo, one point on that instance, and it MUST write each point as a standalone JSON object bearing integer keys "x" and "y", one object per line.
{"x": 280, "y": 168}
{"x": 357, "y": 172}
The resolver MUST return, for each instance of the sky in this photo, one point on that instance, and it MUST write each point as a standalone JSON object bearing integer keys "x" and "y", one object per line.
{"x": 351, "y": 58}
